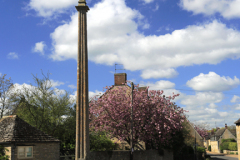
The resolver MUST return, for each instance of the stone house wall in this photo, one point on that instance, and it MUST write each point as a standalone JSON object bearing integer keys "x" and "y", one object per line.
{"x": 214, "y": 146}
{"x": 238, "y": 138}
{"x": 226, "y": 135}
{"x": 41, "y": 151}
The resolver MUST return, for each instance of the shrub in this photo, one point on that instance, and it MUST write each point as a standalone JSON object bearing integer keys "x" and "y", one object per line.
{"x": 224, "y": 146}
{"x": 236, "y": 153}
{"x": 100, "y": 142}
{"x": 232, "y": 146}
{"x": 231, "y": 152}
{"x": 209, "y": 148}
{"x": 201, "y": 149}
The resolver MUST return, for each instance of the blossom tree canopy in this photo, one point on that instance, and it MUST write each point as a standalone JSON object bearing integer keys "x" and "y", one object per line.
{"x": 155, "y": 118}
{"x": 201, "y": 131}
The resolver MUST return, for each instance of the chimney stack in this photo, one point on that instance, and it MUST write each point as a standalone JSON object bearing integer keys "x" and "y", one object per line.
{"x": 225, "y": 125}
{"x": 120, "y": 78}
{"x": 141, "y": 89}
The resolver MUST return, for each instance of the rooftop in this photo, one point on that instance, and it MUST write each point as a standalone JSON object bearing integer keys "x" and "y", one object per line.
{"x": 14, "y": 129}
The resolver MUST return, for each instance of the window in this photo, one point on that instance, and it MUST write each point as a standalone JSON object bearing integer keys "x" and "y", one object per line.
{"x": 25, "y": 152}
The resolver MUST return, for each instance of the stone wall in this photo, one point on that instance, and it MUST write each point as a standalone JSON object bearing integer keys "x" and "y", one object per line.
{"x": 205, "y": 144}
{"x": 228, "y": 152}
{"x": 238, "y": 139}
{"x": 214, "y": 146}
{"x": 125, "y": 155}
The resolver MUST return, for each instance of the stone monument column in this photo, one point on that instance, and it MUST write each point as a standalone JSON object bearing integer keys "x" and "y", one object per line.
{"x": 238, "y": 136}
{"x": 82, "y": 148}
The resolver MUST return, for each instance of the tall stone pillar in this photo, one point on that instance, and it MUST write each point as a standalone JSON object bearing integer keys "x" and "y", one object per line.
{"x": 238, "y": 136}
{"x": 82, "y": 148}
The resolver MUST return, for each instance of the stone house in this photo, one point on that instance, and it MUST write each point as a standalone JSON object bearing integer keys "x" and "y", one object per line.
{"x": 25, "y": 142}
{"x": 223, "y": 133}
{"x": 216, "y": 138}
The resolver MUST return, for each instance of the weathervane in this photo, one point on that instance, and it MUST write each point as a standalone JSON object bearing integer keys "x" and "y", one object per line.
{"x": 116, "y": 67}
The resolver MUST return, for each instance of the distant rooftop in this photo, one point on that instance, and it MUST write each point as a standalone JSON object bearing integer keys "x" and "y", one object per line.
{"x": 14, "y": 129}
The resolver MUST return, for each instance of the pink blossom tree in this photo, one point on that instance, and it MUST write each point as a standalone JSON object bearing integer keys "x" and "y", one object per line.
{"x": 201, "y": 130}
{"x": 155, "y": 119}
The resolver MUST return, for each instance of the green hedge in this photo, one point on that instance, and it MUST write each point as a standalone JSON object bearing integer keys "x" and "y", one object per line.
{"x": 228, "y": 140}
{"x": 224, "y": 146}
{"x": 232, "y": 146}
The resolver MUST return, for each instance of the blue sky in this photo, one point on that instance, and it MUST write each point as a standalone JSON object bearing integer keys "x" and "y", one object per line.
{"x": 190, "y": 47}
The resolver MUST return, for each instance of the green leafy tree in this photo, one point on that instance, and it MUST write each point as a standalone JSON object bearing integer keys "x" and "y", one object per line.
{"x": 43, "y": 106}
{"x": 6, "y": 102}
{"x": 67, "y": 130}
{"x": 99, "y": 141}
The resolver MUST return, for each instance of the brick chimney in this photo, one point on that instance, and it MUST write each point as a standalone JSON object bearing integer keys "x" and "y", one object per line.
{"x": 225, "y": 125}
{"x": 143, "y": 89}
{"x": 120, "y": 78}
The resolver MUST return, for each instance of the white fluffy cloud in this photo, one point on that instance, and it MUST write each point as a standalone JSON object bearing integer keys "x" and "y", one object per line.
{"x": 72, "y": 86}
{"x": 227, "y": 8}
{"x": 48, "y": 8}
{"x": 160, "y": 85}
{"x": 12, "y": 55}
{"x": 203, "y": 114}
{"x": 202, "y": 98}
{"x": 160, "y": 73}
{"x": 56, "y": 83}
{"x": 39, "y": 47}
{"x": 166, "y": 86}
{"x": 237, "y": 107}
{"x": 235, "y": 99}
{"x": 213, "y": 82}
{"x": 147, "y": 1}
{"x": 113, "y": 37}
{"x": 212, "y": 105}
{"x": 90, "y": 95}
